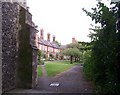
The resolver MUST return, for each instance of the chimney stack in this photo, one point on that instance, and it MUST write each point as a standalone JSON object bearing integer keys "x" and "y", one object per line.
{"x": 28, "y": 8}
{"x": 41, "y": 34}
{"x": 53, "y": 38}
{"x": 73, "y": 40}
{"x": 48, "y": 37}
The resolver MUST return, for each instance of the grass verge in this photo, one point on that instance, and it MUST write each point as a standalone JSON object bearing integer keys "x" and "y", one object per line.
{"x": 39, "y": 71}
{"x": 55, "y": 67}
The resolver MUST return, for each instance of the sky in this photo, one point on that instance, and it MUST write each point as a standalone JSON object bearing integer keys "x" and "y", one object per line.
{"x": 63, "y": 18}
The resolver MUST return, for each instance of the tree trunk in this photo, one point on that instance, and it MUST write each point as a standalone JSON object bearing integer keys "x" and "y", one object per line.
{"x": 75, "y": 59}
{"x": 71, "y": 59}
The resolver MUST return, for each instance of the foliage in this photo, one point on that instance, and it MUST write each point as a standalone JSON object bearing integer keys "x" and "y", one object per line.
{"x": 104, "y": 49}
{"x": 57, "y": 43}
{"x": 72, "y": 50}
{"x": 74, "y": 45}
{"x": 39, "y": 56}
{"x": 61, "y": 56}
{"x": 39, "y": 71}
{"x": 40, "y": 60}
{"x": 85, "y": 46}
{"x": 88, "y": 65}
{"x": 43, "y": 55}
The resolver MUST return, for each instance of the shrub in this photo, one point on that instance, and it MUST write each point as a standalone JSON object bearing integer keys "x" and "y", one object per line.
{"x": 39, "y": 56}
{"x": 88, "y": 65}
{"x": 43, "y": 55}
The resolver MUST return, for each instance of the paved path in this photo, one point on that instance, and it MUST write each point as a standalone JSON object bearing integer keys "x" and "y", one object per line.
{"x": 44, "y": 74}
{"x": 70, "y": 81}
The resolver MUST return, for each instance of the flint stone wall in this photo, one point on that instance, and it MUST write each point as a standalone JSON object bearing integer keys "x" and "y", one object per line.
{"x": 9, "y": 45}
{"x": 19, "y": 57}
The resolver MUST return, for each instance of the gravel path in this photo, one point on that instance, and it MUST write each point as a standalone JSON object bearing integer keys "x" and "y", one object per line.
{"x": 70, "y": 81}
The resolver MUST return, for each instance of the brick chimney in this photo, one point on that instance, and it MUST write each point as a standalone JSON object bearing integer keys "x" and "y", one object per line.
{"x": 48, "y": 37}
{"x": 73, "y": 40}
{"x": 53, "y": 38}
{"x": 41, "y": 34}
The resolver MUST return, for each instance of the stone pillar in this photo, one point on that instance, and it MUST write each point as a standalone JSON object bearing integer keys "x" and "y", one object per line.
{"x": 34, "y": 68}
{"x": 24, "y": 51}
{"x": 33, "y": 44}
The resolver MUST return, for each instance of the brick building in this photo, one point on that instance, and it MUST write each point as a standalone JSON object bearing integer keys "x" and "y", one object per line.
{"x": 47, "y": 46}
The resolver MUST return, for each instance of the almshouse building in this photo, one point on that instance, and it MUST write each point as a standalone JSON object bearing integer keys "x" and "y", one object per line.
{"x": 47, "y": 46}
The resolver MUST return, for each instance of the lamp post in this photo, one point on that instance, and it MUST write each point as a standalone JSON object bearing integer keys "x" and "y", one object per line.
{"x": 118, "y": 38}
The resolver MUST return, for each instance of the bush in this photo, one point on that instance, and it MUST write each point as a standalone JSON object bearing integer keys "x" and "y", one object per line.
{"x": 41, "y": 62}
{"x": 43, "y": 55}
{"x": 88, "y": 65}
{"x": 39, "y": 56}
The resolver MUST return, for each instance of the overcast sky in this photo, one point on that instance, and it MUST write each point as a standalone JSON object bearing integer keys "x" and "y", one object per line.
{"x": 62, "y": 18}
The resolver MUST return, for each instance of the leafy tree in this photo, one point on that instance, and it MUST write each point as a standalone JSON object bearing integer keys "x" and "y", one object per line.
{"x": 85, "y": 46}
{"x": 61, "y": 55}
{"x": 88, "y": 65}
{"x": 72, "y": 51}
{"x": 103, "y": 53}
{"x": 57, "y": 43}
{"x": 74, "y": 45}
{"x": 43, "y": 55}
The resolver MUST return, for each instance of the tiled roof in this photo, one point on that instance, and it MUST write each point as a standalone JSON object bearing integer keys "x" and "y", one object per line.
{"x": 54, "y": 45}
{"x": 47, "y": 43}
{"x": 63, "y": 46}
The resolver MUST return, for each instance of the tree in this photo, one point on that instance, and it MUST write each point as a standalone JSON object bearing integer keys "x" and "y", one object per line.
{"x": 43, "y": 55}
{"x": 104, "y": 49}
{"x": 85, "y": 46}
{"x": 72, "y": 51}
{"x": 57, "y": 43}
{"x": 39, "y": 56}
{"x": 74, "y": 45}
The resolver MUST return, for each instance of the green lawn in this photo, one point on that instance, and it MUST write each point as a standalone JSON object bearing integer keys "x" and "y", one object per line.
{"x": 39, "y": 71}
{"x": 55, "y": 67}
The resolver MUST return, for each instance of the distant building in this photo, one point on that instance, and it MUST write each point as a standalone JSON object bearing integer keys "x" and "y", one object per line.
{"x": 47, "y": 46}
